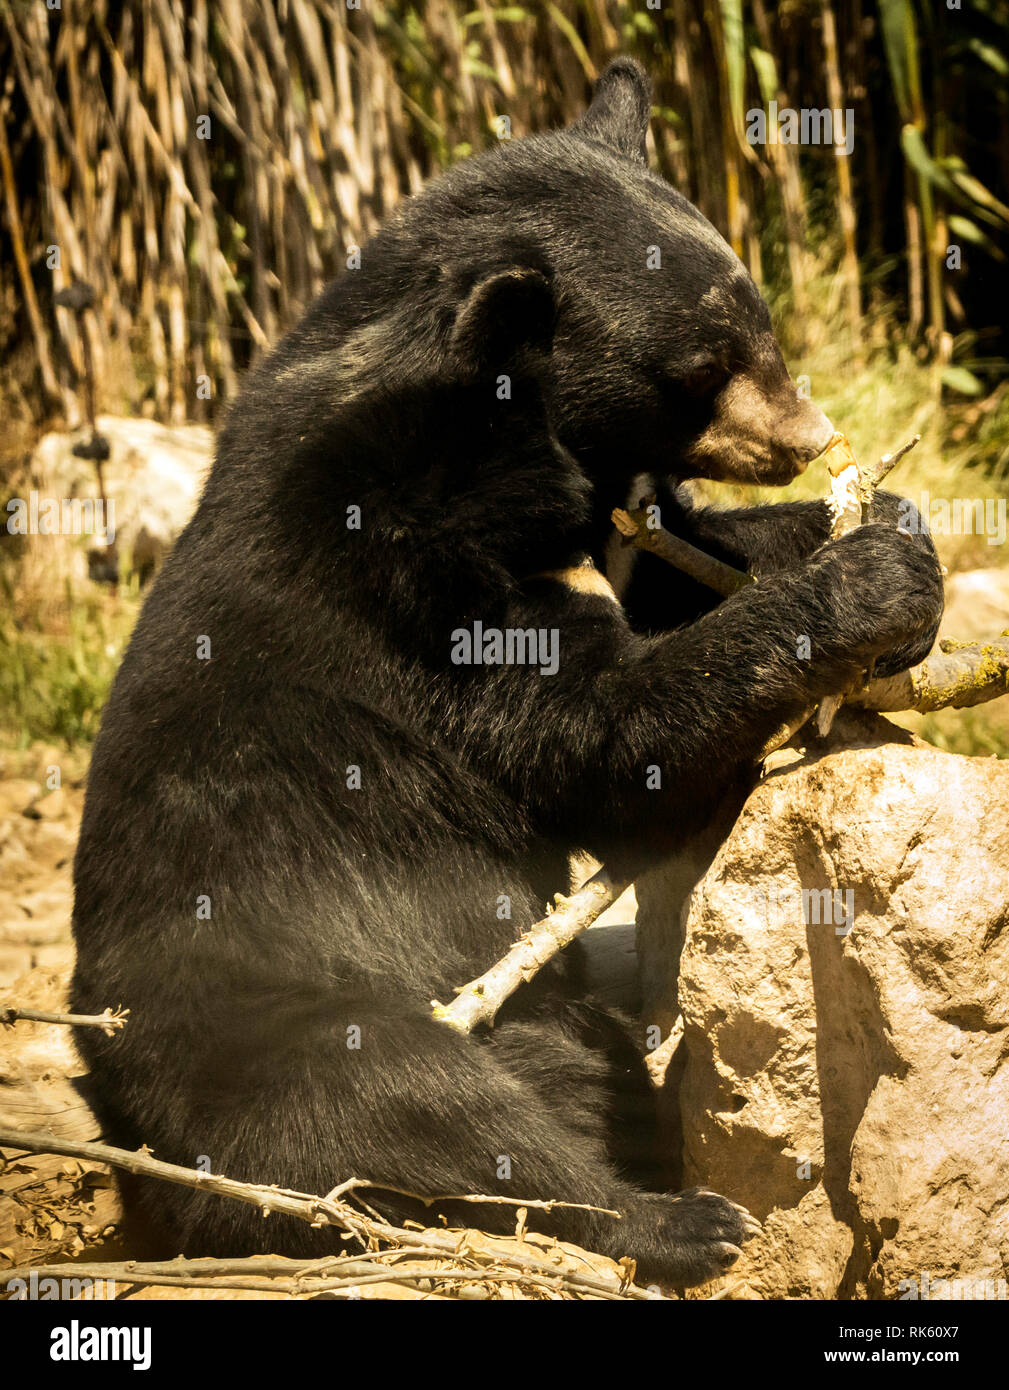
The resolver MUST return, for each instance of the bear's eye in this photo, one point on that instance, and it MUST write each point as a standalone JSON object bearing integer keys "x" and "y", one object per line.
{"x": 706, "y": 378}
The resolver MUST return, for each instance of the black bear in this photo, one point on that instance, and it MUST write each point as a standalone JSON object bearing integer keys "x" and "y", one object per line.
{"x": 323, "y": 795}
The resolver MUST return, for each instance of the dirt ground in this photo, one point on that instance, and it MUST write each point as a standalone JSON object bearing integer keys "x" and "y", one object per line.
{"x": 38, "y": 833}
{"x": 50, "y": 1208}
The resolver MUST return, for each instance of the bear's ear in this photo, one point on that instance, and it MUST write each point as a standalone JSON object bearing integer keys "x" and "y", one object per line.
{"x": 620, "y": 109}
{"x": 503, "y": 312}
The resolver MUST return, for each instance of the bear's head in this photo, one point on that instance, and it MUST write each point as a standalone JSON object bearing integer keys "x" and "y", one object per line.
{"x": 656, "y": 347}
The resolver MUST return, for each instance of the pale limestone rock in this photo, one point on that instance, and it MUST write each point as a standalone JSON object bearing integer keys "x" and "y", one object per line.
{"x": 153, "y": 478}
{"x": 977, "y": 604}
{"x": 873, "y": 1045}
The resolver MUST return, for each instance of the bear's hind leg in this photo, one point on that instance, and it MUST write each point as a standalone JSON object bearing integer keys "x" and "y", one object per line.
{"x": 433, "y": 1112}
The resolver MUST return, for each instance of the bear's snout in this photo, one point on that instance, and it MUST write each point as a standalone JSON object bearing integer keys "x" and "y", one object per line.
{"x": 804, "y": 431}
{"x": 760, "y": 434}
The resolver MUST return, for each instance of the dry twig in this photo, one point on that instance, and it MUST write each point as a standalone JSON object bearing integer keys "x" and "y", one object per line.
{"x": 111, "y": 1021}
{"x": 357, "y": 1184}
{"x": 479, "y": 1001}
{"x": 640, "y": 529}
{"x": 322, "y": 1211}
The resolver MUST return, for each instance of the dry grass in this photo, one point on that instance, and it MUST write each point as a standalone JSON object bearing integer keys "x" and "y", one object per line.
{"x": 321, "y": 118}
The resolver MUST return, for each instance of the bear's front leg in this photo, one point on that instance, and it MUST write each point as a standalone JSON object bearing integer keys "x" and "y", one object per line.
{"x": 757, "y": 540}
{"x": 622, "y": 742}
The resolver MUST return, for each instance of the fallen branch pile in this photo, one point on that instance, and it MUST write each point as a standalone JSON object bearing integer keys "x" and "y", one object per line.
{"x": 429, "y": 1259}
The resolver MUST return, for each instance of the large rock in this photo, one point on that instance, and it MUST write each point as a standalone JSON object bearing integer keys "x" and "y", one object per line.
{"x": 977, "y": 604}
{"x": 51, "y": 1208}
{"x": 844, "y": 981}
{"x": 153, "y": 478}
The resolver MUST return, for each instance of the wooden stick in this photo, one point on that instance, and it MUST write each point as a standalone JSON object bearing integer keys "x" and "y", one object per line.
{"x": 853, "y": 489}
{"x": 479, "y": 1001}
{"x": 636, "y": 529}
{"x": 110, "y": 1021}
{"x": 356, "y": 1184}
{"x": 303, "y": 1206}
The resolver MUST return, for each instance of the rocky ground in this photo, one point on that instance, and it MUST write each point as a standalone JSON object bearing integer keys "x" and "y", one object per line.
{"x": 842, "y": 967}
{"x": 38, "y": 833}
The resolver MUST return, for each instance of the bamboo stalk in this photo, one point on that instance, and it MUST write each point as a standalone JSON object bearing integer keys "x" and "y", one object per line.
{"x": 49, "y": 380}
{"x": 325, "y": 117}
{"x": 845, "y": 194}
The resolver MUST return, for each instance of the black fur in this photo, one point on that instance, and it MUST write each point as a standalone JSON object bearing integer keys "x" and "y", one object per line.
{"x": 336, "y": 909}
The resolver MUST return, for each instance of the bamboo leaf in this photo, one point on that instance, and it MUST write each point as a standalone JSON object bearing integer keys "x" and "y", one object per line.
{"x": 767, "y": 73}
{"x": 952, "y": 177}
{"x": 476, "y": 67}
{"x": 734, "y": 54}
{"x": 571, "y": 34}
{"x": 962, "y": 381}
{"x": 977, "y": 192}
{"x": 509, "y": 14}
{"x": 901, "y": 44}
{"x": 965, "y": 229}
{"x": 917, "y": 155}
{"x": 990, "y": 55}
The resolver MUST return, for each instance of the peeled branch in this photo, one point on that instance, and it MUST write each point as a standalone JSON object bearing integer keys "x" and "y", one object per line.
{"x": 639, "y": 528}
{"x": 852, "y": 489}
{"x": 479, "y": 1001}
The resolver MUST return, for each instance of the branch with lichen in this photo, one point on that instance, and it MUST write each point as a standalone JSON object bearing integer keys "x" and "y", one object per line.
{"x": 954, "y": 675}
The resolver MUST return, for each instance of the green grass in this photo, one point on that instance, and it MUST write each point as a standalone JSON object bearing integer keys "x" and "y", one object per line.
{"x": 981, "y": 732}
{"x": 55, "y": 675}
